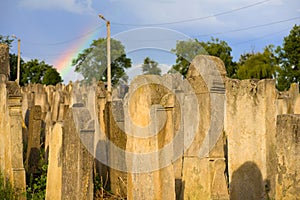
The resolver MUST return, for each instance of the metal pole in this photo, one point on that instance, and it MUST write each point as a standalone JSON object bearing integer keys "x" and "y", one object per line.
{"x": 19, "y": 59}
{"x": 108, "y": 62}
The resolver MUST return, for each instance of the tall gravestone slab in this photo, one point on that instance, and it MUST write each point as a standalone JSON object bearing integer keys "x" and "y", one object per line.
{"x": 11, "y": 146}
{"x": 77, "y": 154}
{"x": 250, "y": 127}
{"x": 4, "y": 60}
{"x": 16, "y": 142}
{"x": 34, "y": 140}
{"x": 204, "y": 160}
{"x": 54, "y": 173}
{"x": 149, "y": 128}
{"x": 288, "y": 148}
{"x": 100, "y": 134}
{"x": 115, "y": 125}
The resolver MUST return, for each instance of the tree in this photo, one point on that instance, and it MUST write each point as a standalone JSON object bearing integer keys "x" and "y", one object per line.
{"x": 32, "y": 71}
{"x": 92, "y": 62}
{"x": 13, "y": 63}
{"x": 150, "y": 67}
{"x": 187, "y": 50}
{"x": 258, "y": 65}
{"x": 6, "y": 40}
{"x": 39, "y": 72}
{"x": 289, "y": 58}
{"x": 51, "y": 77}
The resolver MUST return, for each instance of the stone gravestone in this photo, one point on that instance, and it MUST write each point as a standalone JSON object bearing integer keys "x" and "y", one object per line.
{"x": 114, "y": 126}
{"x": 204, "y": 160}
{"x": 149, "y": 128}
{"x": 251, "y": 123}
{"x": 34, "y": 140}
{"x": 77, "y": 154}
{"x": 15, "y": 134}
{"x": 4, "y": 60}
{"x": 54, "y": 173}
{"x": 288, "y": 148}
{"x": 11, "y": 146}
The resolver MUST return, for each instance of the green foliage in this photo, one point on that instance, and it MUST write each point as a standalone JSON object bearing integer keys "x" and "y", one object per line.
{"x": 35, "y": 71}
{"x": 150, "y": 67}
{"x": 51, "y": 77}
{"x": 98, "y": 184}
{"x": 13, "y": 62}
{"x": 187, "y": 50}
{"x": 6, "y": 40}
{"x": 289, "y": 56}
{"x": 92, "y": 62}
{"x": 221, "y": 49}
{"x": 6, "y": 190}
{"x": 36, "y": 183}
{"x": 258, "y": 65}
{"x": 37, "y": 186}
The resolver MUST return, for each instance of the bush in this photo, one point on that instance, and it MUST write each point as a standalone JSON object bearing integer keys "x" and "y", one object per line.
{"x": 36, "y": 189}
{"x": 6, "y": 190}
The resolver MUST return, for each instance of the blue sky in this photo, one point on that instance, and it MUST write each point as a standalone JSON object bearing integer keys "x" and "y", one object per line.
{"x": 48, "y": 29}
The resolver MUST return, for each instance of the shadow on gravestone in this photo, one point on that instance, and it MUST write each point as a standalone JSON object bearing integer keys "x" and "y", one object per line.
{"x": 179, "y": 189}
{"x": 247, "y": 183}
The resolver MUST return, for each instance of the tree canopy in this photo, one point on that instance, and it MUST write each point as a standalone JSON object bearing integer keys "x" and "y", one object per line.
{"x": 150, "y": 67}
{"x": 35, "y": 71}
{"x": 289, "y": 58}
{"x": 258, "y": 65}
{"x": 13, "y": 63}
{"x": 92, "y": 62}
{"x": 6, "y": 40}
{"x": 187, "y": 50}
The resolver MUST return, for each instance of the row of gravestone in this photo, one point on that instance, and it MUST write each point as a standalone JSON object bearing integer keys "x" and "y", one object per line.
{"x": 143, "y": 158}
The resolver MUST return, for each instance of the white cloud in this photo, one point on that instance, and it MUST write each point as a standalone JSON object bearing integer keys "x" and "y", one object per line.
{"x": 76, "y": 6}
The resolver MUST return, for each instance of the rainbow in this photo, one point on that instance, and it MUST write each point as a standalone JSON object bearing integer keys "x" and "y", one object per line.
{"x": 64, "y": 63}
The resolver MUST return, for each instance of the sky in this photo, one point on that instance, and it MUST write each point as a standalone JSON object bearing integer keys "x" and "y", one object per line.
{"x": 57, "y": 30}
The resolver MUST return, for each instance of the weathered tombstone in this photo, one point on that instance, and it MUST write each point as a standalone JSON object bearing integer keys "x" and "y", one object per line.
{"x": 204, "y": 161}
{"x": 34, "y": 140}
{"x": 101, "y": 151}
{"x": 149, "y": 129}
{"x": 297, "y": 105}
{"x": 77, "y": 158}
{"x": 54, "y": 173}
{"x": 251, "y": 123}
{"x": 114, "y": 126}
{"x": 288, "y": 148}
{"x": 16, "y": 142}
{"x": 4, "y": 60}
{"x": 11, "y": 146}
{"x": 57, "y": 100}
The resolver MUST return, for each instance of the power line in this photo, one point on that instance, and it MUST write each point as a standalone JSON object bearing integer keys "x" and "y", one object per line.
{"x": 216, "y": 33}
{"x": 195, "y": 19}
{"x": 261, "y": 37}
{"x": 66, "y": 41}
{"x": 248, "y": 28}
{"x": 219, "y": 33}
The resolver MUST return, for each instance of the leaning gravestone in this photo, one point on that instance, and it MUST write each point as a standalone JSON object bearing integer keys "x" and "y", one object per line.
{"x": 54, "y": 173}
{"x": 77, "y": 161}
{"x": 34, "y": 138}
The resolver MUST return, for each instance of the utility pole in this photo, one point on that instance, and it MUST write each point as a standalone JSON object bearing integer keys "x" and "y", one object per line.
{"x": 19, "y": 59}
{"x": 108, "y": 58}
